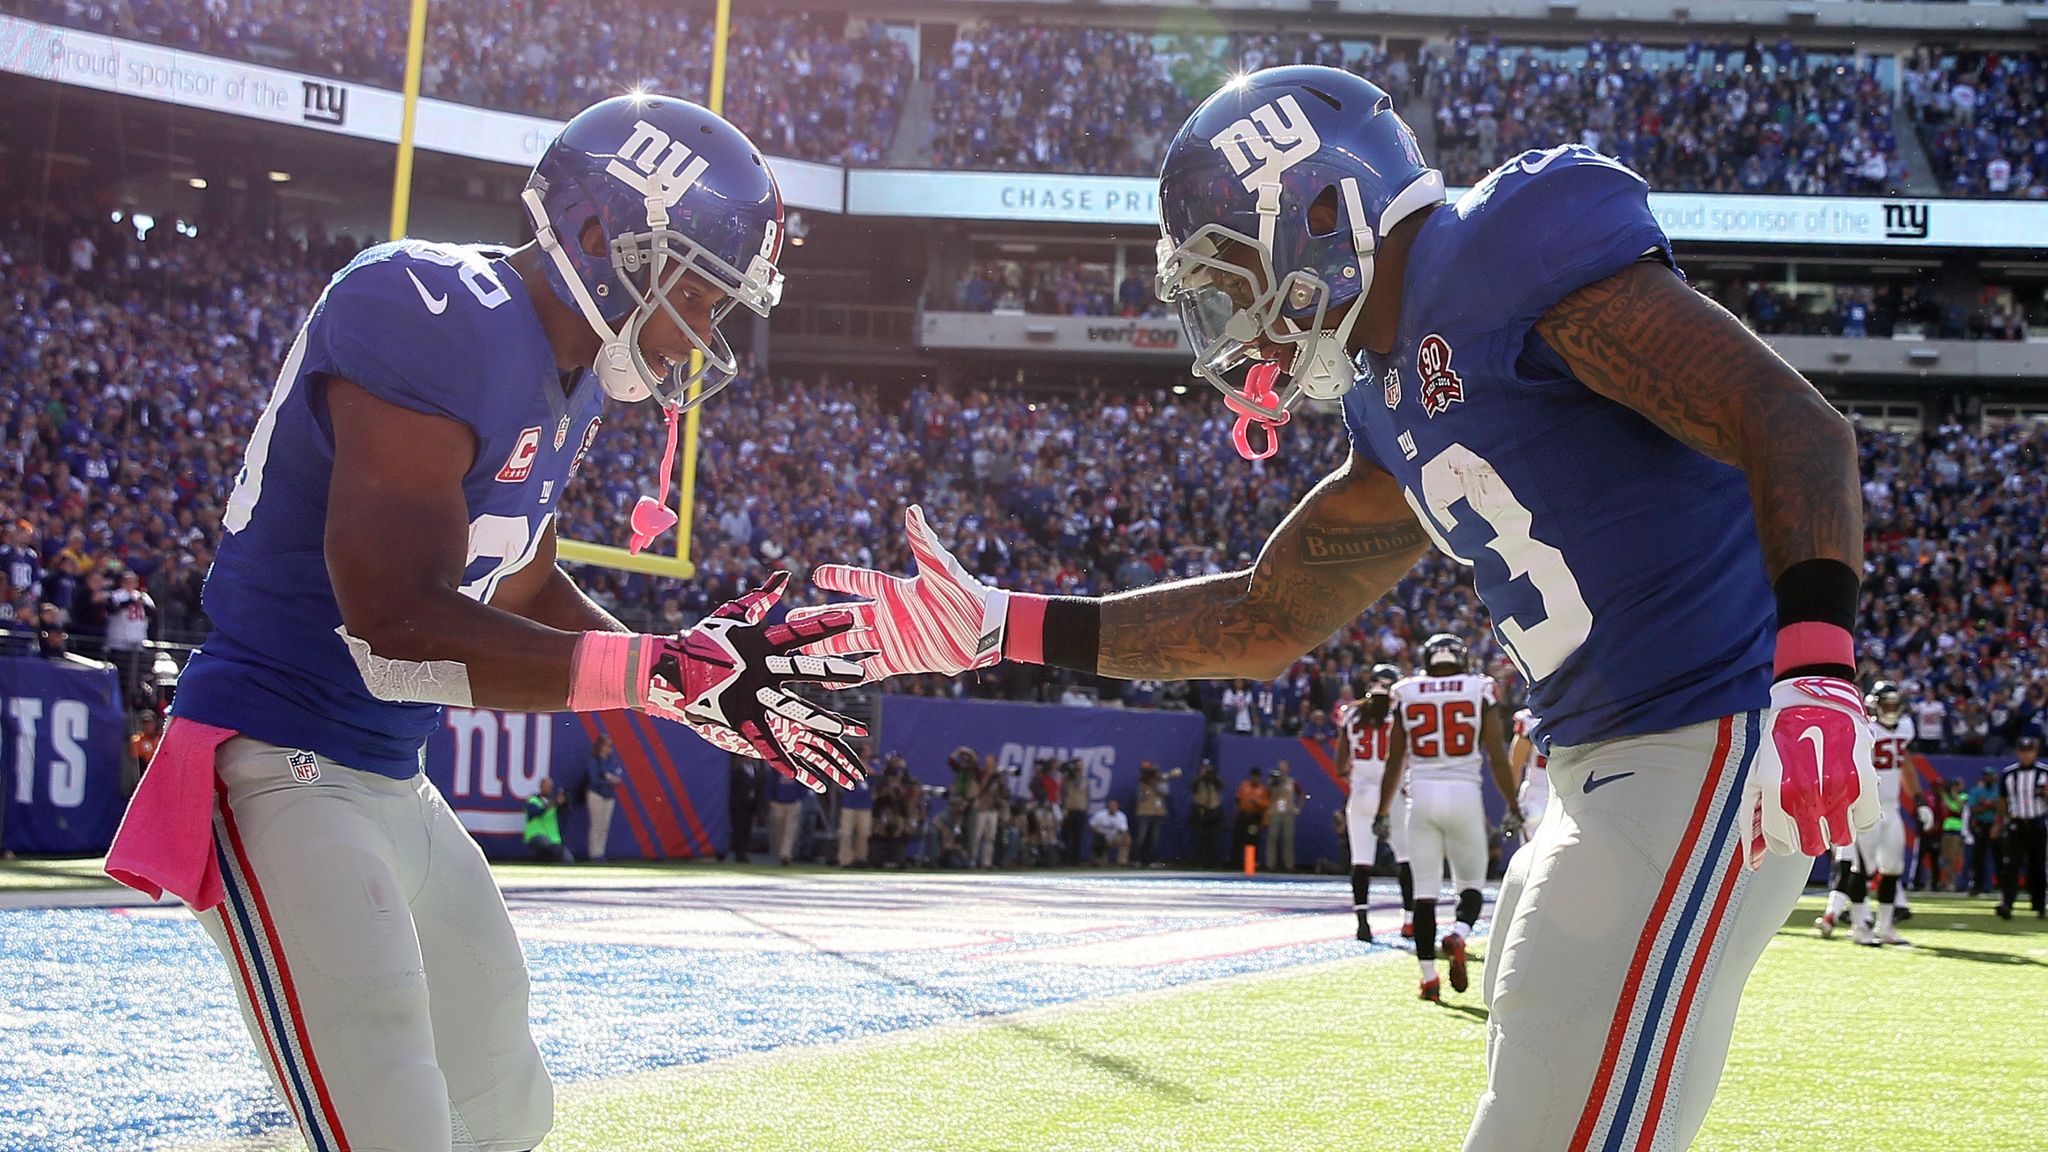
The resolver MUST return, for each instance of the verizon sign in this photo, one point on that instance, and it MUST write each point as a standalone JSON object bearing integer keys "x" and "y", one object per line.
{"x": 1146, "y": 337}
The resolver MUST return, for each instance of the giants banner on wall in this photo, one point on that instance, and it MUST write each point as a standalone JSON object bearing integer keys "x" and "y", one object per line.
{"x": 1110, "y": 743}
{"x": 61, "y": 735}
{"x": 670, "y": 806}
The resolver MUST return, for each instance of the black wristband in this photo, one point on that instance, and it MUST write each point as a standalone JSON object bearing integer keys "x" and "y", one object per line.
{"x": 1073, "y": 633}
{"x": 1821, "y": 591}
{"x": 1818, "y": 592}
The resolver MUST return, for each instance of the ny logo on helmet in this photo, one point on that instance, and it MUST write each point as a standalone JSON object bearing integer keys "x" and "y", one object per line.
{"x": 653, "y": 165}
{"x": 1274, "y": 138}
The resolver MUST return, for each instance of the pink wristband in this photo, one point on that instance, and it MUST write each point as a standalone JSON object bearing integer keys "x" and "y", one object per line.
{"x": 1024, "y": 628}
{"x": 602, "y": 673}
{"x": 1811, "y": 642}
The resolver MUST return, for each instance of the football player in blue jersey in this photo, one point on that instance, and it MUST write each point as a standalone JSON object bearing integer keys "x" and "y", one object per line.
{"x": 1662, "y": 518}
{"x": 390, "y": 549}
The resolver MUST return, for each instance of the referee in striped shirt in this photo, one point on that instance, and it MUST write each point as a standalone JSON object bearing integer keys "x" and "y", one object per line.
{"x": 2023, "y": 801}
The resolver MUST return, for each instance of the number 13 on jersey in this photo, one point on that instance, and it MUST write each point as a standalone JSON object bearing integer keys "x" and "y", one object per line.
{"x": 1500, "y": 523}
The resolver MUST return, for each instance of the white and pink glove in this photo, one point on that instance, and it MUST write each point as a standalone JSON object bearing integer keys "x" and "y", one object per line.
{"x": 726, "y": 678}
{"x": 1812, "y": 786}
{"x": 940, "y": 620}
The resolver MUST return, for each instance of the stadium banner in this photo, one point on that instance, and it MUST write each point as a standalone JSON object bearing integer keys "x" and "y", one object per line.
{"x": 1039, "y": 197}
{"x": 62, "y": 733}
{"x": 1110, "y": 743}
{"x": 671, "y": 804}
{"x": 325, "y": 103}
{"x": 1151, "y": 337}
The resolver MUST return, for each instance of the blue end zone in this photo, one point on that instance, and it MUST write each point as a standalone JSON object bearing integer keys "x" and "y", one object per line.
{"x": 136, "y": 1043}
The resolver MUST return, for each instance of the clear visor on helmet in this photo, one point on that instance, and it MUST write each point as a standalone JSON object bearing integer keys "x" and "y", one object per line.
{"x": 1230, "y": 303}
{"x": 650, "y": 266}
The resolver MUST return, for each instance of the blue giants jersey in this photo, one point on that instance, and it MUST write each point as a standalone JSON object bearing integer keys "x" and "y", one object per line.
{"x": 1621, "y": 568}
{"x": 437, "y": 328}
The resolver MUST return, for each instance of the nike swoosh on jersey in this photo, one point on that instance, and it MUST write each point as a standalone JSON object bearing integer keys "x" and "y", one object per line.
{"x": 1540, "y": 165}
{"x": 1593, "y": 782}
{"x": 435, "y": 304}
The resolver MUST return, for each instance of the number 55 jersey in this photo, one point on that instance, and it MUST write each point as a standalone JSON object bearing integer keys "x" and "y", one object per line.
{"x": 1621, "y": 568}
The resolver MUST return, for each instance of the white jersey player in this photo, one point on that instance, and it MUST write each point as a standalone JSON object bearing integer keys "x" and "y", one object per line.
{"x": 1879, "y": 853}
{"x": 1364, "y": 727}
{"x": 1892, "y": 734}
{"x": 1443, "y": 720}
{"x": 1531, "y": 771}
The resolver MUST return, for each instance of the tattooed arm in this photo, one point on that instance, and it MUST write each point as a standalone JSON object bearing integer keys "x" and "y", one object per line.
{"x": 1644, "y": 339}
{"x": 1348, "y": 541}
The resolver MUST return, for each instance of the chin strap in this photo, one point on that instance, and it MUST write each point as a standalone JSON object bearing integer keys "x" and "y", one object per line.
{"x": 652, "y": 516}
{"x": 1258, "y": 390}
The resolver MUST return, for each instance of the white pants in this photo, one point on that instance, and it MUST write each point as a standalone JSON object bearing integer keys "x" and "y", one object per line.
{"x": 1446, "y": 820}
{"x": 1884, "y": 846}
{"x": 376, "y": 967}
{"x": 1533, "y": 797}
{"x": 1621, "y": 942}
{"x": 1397, "y": 829}
{"x": 981, "y": 836}
{"x": 1359, "y": 812}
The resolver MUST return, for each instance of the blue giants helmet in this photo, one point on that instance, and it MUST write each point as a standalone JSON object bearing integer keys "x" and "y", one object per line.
{"x": 1237, "y": 253}
{"x": 676, "y": 190}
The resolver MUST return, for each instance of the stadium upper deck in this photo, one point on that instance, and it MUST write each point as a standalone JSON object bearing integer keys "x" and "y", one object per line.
{"x": 1752, "y": 98}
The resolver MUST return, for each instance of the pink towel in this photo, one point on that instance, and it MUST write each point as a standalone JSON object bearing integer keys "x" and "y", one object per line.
{"x": 166, "y": 840}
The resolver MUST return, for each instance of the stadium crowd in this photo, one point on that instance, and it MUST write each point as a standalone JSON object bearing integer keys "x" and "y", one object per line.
{"x": 1983, "y": 118}
{"x": 1069, "y": 287}
{"x": 1031, "y": 96}
{"x": 137, "y": 368}
{"x": 1055, "y": 97}
{"x": 1717, "y": 118}
{"x": 811, "y": 86}
{"x": 1880, "y": 311}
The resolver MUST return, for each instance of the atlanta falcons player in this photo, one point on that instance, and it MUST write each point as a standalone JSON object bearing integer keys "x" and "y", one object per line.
{"x": 1891, "y": 756}
{"x": 1363, "y": 728}
{"x": 1443, "y": 720}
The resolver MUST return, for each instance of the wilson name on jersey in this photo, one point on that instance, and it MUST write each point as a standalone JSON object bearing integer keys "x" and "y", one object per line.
{"x": 1621, "y": 568}
{"x": 1890, "y": 754}
{"x": 1441, "y": 718}
{"x": 442, "y": 329}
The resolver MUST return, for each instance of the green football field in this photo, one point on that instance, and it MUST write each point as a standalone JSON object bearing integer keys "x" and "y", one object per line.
{"x": 1943, "y": 1046}
{"x": 1940, "y": 1047}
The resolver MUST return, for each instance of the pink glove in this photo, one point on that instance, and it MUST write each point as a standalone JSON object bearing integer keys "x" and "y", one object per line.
{"x": 940, "y": 620}
{"x": 726, "y": 679}
{"x": 1811, "y": 786}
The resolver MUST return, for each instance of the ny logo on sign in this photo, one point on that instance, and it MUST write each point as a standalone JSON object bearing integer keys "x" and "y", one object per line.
{"x": 1905, "y": 221}
{"x": 1274, "y": 138}
{"x": 324, "y": 103}
{"x": 653, "y": 165}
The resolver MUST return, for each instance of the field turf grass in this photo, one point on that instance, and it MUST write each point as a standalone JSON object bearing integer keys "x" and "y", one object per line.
{"x": 1939, "y": 1048}
{"x": 1837, "y": 1047}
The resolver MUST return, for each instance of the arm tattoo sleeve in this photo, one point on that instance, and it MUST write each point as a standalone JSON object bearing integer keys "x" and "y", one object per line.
{"x": 1644, "y": 339}
{"x": 1339, "y": 550}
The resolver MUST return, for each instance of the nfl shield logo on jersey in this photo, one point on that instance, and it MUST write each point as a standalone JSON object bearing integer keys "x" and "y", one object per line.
{"x": 305, "y": 765}
{"x": 1441, "y": 387}
{"x": 1393, "y": 388}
